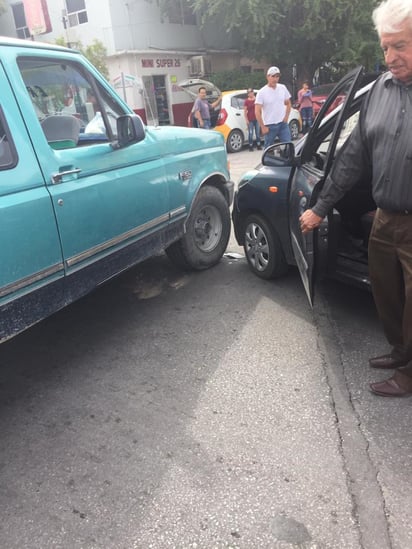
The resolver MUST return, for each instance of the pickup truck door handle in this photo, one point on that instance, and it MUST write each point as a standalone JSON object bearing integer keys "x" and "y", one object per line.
{"x": 58, "y": 177}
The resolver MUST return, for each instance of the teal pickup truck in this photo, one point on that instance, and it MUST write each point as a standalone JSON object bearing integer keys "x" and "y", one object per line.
{"x": 87, "y": 191}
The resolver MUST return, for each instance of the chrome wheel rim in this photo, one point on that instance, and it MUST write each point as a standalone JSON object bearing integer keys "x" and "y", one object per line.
{"x": 236, "y": 142}
{"x": 257, "y": 247}
{"x": 294, "y": 130}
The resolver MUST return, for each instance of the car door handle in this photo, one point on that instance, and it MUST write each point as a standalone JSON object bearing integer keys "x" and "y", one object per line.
{"x": 57, "y": 177}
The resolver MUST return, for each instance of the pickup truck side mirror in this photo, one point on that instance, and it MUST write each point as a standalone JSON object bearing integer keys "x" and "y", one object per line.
{"x": 130, "y": 129}
{"x": 280, "y": 154}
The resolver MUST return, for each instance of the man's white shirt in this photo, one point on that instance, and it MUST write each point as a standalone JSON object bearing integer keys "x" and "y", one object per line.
{"x": 273, "y": 103}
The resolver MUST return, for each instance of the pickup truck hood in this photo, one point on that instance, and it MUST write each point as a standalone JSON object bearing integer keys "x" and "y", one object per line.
{"x": 186, "y": 139}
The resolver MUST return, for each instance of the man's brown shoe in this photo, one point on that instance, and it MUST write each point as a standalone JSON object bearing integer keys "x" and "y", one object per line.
{"x": 399, "y": 385}
{"x": 387, "y": 362}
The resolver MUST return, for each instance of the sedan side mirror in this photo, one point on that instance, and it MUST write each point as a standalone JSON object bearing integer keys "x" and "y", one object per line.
{"x": 280, "y": 154}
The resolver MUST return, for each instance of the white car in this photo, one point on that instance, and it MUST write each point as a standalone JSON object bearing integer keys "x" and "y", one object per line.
{"x": 231, "y": 121}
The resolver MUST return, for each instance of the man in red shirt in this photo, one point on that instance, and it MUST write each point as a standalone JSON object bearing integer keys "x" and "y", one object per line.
{"x": 252, "y": 123}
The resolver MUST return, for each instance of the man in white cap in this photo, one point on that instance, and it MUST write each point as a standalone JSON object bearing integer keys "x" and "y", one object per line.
{"x": 272, "y": 108}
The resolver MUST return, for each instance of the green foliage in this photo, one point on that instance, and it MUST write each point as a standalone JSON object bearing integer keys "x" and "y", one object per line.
{"x": 2, "y": 6}
{"x": 60, "y": 41}
{"x": 96, "y": 53}
{"x": 307, "y": 33}
{"x": 235, "y": 80}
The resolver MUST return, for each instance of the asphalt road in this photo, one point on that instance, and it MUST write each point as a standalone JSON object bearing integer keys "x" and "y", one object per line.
{"x": 204, "y": 410}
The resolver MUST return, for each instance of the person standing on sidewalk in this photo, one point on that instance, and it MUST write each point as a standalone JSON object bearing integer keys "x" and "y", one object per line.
{"x": 380, "y": 145}
{"x": 305, "y": 106}
{"x": 251, "y": 121}
{"x": 272, "y": 108}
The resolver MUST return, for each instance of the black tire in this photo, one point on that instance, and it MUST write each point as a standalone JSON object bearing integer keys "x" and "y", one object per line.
{"x": 207, "y": 232}
{"x": 234, "y": 142}
{"x": 294, "y": 129}
{"x": 263, "y": 250}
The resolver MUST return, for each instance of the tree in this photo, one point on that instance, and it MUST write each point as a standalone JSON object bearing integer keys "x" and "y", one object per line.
{"x": 237, "y": 80}
{"x": 95, "y": 52}
{"x": 302, "y": 32}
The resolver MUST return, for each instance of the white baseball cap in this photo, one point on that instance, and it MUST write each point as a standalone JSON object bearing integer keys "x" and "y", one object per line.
{"x": 272, "y": 70}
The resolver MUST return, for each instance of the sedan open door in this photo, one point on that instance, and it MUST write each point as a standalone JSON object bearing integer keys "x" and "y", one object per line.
{"x": 309, "y": 176}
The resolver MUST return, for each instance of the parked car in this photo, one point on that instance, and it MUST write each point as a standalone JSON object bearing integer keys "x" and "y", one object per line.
{"x": 231, "y": 121}
{"x": 319, "y": 96}
{"x": 271, "y": 198}
{"x": 86, "y": 191}
{"x": 229, "y": 118}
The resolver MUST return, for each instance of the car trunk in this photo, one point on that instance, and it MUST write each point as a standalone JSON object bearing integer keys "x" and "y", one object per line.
{"x": 191, "y": 87}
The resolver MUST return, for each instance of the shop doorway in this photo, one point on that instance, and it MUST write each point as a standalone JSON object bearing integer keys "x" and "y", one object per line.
{"x": 161, "y": 99}
{"x": 156, "y": 100}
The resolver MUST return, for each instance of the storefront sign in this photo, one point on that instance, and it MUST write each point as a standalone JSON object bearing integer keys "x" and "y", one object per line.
{"x": 160, "y": 63}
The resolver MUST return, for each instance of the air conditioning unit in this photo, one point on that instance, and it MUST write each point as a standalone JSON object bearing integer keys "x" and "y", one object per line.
{"x": 200, "y": 65}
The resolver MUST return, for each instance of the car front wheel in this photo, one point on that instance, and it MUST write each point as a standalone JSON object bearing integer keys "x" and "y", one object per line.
{"x": 294, "y": 129}
{"x": 207, "y": 232}
{"x": 263, "y": 249}
{"x": 234, "y": 141}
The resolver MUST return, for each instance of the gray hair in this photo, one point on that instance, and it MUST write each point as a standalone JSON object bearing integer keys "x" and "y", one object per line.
{"x": 389, "y": 16}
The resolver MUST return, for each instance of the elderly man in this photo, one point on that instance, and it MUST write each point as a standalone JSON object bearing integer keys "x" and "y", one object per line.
{"x": 272, "y": 109}
{"x": 382, "y": 142}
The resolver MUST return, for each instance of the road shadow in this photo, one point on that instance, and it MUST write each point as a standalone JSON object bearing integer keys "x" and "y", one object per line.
{"x": 96, "y": 400}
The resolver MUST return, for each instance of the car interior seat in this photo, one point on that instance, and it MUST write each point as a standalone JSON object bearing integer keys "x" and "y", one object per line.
{"x": 61, "y": 131}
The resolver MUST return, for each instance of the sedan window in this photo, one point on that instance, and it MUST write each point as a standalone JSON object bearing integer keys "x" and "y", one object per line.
{"x": 238, "y": 101}
{"x": 323, "y": 147}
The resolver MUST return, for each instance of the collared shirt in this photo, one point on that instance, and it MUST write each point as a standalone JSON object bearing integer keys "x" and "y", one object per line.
{"x": 379, "y": 148}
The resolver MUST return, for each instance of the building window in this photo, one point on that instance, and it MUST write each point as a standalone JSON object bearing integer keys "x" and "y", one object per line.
{"x": 76, "y": 12}
{"x": 180, "y": 12}
{"x": 20, "y": 21}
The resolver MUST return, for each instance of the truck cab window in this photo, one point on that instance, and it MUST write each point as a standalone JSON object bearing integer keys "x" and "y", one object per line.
{"x": 8, "y": 157}
{"x": 72, "y": 108}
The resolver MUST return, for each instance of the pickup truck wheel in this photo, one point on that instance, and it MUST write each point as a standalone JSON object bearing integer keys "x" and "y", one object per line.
{"x": 263, "y": 249}
{"x": 207, "y": 232}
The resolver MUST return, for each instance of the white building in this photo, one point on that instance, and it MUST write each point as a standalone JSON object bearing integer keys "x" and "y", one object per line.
{"x": 149, "y": 53}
